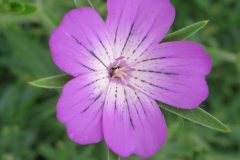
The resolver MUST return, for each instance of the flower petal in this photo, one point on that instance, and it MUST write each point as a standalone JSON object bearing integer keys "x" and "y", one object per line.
{"x": 135, "y": 24}
{"x": 132, "y": 122}
{"x": 80, "y": 44}
{"x": 80, "y": 107}
{"x": 174, "y": 73}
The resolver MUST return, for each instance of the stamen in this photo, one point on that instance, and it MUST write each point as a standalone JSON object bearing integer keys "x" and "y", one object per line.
{"x": 120, "y": 70}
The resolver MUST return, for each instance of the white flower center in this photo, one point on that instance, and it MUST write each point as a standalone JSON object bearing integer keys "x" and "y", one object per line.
{"x": 120, "y": 70}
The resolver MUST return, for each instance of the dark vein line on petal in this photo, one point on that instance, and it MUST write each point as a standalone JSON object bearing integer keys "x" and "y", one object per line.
{"x": 100, "y": 109}
{"x": 99, "y": 39}
{"x": 74, "y": 105}
{"x": 115, "y": 103}
{"x": 128, "y": 108}
{"x": 78, "y": 62}
{"x": 77, "y": 114}
{"x": 115, "y": 100}
{"x": 98, "y": 58}
{"x": 157, "y": 72}
{"x": 95, "y": 99}
{"x": 151, "y": 59}
{"x": 155, "y": 20}
{"x": 148, "y": 92}
{"x": 118, "y": 23}
{"x": 115, "y": 38}
{"x": 136, "y": 109}
{"x": 91, "y": 52}
{"x": 91, "y": 83}
{"x": 128, "y": 37}
{"x": 144, "y": 111}
{"x": 142, "y": 106}
{"x": 134, "y": 51}
{"x": 151, "y": 84}
{"x": 93, "y": 118}
{"x": 88, "y": 67}
{"x": 144, "y": 38}
{"x": 103, "y": 103}
{"x": 105, "y": 49}
{"x": 147, "y": 48}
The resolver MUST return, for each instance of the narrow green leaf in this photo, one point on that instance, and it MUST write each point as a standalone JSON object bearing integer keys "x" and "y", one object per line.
{"x": 53, "y": 82}
{"x": 198, "y": 116}
{"x": 185, "y": 32}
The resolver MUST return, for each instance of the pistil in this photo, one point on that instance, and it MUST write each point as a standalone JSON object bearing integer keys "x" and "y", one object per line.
{"x": 119, "y": 70}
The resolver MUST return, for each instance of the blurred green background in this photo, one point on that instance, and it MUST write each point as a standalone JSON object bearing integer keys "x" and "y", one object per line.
{"x": 28, "y": 127}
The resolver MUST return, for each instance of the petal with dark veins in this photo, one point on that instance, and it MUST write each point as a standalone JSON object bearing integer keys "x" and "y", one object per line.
{"x": 132, "y": 122}
{"x": 134, "y": 25}
{"x": 80, "y": 44}
{"x": 173, "y": 73}
{"x": 80, "y": 107}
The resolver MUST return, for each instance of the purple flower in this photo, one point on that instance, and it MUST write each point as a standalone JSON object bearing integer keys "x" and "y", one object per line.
{"x": 120, "y": 71}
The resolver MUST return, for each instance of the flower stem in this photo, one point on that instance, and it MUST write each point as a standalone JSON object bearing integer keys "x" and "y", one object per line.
{"x": 89, "y": 1}
{"x": 112, "y": 156}
{"x": 49, "y": 23}
{"x": 108, "y": 154}
{"x": 78, "y": 5}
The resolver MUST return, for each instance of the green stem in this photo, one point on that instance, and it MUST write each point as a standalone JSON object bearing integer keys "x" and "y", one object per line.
{"x": 89, "y": 1}
{"x": 108, "y": 154}
{"x": 111, "y": 155}
{"x": 50, "y": 24}
{"x": 76, "y": 3}
{"x": 224, "y": 55}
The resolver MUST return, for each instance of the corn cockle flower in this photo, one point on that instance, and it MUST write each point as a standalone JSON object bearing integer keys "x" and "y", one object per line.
{"x": 120, "y": 70}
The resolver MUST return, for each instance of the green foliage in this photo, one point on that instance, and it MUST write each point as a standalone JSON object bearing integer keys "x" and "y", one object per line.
{"x": 185, "y": 32}
{"x": 16, "y": 8}
{"x": 52, "y": 82}
{"x": 198, "y": 116}
{"x": 28, "y": 127}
